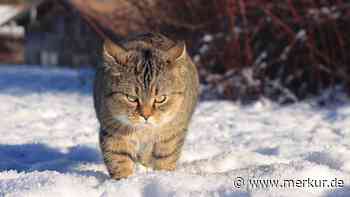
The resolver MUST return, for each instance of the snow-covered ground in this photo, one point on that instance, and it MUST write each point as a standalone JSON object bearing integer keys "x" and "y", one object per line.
{"x": 49, "y": 147}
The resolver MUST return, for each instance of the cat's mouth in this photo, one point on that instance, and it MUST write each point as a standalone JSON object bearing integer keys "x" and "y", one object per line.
{"x": 146, "y": 124}
{"x": 139, "y": 123}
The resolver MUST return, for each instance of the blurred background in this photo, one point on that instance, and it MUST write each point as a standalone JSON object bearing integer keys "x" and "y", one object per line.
{"x": 283, "y": 50}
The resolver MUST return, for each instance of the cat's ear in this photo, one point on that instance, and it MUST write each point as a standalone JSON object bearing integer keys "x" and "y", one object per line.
{"x": 113, "y": 52}
{"x": 177, "y": 52}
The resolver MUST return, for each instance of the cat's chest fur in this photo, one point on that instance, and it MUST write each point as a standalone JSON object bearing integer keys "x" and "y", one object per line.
{"x": 144, "y": 152}
{"x": 144, "y": 142}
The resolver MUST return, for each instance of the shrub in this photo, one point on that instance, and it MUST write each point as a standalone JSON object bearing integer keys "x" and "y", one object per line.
{"x": 294, "y": 48}
{"x": 286, "y": 50}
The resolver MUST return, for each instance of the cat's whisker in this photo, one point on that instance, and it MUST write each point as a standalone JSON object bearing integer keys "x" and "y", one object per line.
{"x": 122, "y": 119}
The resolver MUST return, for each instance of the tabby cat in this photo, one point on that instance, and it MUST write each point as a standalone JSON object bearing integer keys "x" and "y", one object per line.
{"x": 144, "y": 96}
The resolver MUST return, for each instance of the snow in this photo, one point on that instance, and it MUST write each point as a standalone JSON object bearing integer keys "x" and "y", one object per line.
{"x": 207, "y": 38}
{"x": 7, "y": 12}
{"x": 301, "y": 35}
{"x": 49, "y": 146}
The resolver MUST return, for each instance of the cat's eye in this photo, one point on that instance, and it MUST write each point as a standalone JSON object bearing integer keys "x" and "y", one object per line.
{"x": 161, "y": 99}
{"x": 132, "y": 99}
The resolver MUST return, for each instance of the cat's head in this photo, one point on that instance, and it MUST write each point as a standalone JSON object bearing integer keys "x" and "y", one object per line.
{"x": 146, "y": 85}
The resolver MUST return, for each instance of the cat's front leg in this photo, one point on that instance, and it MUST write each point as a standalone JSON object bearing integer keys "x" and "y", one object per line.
{"x": 167, "y": 151}
{"x": 119, "y": 156}
{"x": 119, "y": 164}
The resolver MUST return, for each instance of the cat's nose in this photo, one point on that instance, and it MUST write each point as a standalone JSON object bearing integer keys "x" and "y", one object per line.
{"x": 145, "y": 117}
{"x": 146, "y": 112}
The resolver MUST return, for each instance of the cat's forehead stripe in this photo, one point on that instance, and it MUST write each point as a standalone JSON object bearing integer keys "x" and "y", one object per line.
{"x": 147, "y": 68}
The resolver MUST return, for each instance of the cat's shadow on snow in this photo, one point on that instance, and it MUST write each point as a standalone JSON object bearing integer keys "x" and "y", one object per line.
{"x": 339, "y": 192}
{"x": 39, "y": 157}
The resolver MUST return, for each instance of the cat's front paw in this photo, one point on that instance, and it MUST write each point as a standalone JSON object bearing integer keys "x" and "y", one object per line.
{"x": 122, "y": 173}
{"x": 119, "y": 166}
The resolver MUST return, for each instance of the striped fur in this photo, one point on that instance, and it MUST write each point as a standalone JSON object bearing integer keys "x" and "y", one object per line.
{"x": 144, "y": 98}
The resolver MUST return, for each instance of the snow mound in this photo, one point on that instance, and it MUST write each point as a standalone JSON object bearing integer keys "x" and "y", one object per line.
{"x": 49, "y": 145}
